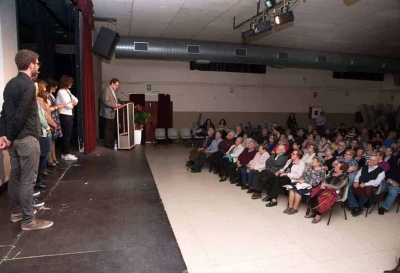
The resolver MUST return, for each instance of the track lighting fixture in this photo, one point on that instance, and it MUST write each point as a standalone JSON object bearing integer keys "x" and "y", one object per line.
{"x": 284, "y": 18}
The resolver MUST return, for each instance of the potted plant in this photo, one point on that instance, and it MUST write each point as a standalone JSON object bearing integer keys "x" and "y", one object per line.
{"x": 141, "y": 118}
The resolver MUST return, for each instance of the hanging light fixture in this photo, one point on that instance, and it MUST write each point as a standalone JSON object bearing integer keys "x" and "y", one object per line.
{"x": 284, "y": 18}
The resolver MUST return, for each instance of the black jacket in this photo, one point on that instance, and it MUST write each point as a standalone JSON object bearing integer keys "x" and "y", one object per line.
{"x": 19, "y": 117}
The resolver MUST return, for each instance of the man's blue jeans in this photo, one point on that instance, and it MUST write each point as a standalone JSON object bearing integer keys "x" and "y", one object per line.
{"x": 393, "y": 193}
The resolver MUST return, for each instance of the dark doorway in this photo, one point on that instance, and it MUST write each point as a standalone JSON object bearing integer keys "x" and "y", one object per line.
{"x": 152, "y": 108}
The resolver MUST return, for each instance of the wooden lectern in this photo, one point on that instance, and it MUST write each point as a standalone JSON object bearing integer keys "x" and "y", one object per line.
{"x": 125, "y": 126}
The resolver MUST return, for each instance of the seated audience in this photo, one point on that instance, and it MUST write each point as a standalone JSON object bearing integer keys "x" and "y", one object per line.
{"x": 391, "y": 139}
{"x": 393, "y": 188}
{"x": 364, "y": 137}
{"x": 353, "y": 165}
{"x": 359, "y": 157}
{"x": 274, "y": 163}
{"x": 317, "y": 137}
{"x": 223, "y": 147}
{"x": 222, "y": 125}
{"x": 282, "y": 141}
{"x": 292, "y": 146}
{"x": 239, "y": 132}
{"x": 323, "y": 144}
{"x": 195, "y": 153}
{"x": 325, "y": 196}
{"x": 274, "y": 131}
{"x": 245, "y": 140}
{"x": 370, "y": 151}
{"x": 244, "y": 158}
{"x": 206, "y": 125}
{"x": 255, "y": 165}
{"x": 353, "y": 144}
{"x": 288, "y": 136}
{"x": 206, "y": 153}
{"x": 328, "y": 133}
{"x": 308, "y": 142}
{"x": 341, "y": 150}
{"x": 263, "y": 137}
{"x": 300, "y": 136}
{"x": 377, "y": 138}
{"x": 308, "y": 158}
{"x": 341, "y": 130}
{"x": 288, "y": 175}
{"x": 313, "y": 176}
{"x": 365, "y": 185}
{"x": 381, "y": 163}
{"x": 351, "y": 134}
{"x": 272, "y": 141}
{"x": 390, "y": 158}
{"x": 338, "y": 139}
{"x": 329, "y": 159}
{"x": 230, "y": 158}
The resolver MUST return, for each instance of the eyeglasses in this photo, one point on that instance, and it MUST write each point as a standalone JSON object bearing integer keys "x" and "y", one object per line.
{"x": 293, "y": 154}
{"x": 347, "y": 154}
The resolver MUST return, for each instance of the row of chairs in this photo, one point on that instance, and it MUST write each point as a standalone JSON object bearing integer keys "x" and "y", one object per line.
{"x": 173, "y": 134}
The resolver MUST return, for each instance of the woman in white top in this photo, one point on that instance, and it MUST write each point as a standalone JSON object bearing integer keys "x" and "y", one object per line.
{"x": 65, "y": 97}
{"x": 308, "y": 158}
{"x": 230, "y": 158}
{"x": 257, "y": 164}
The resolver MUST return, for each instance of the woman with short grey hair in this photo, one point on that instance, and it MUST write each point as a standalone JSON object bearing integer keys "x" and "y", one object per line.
{"x": 311, "y": 178}
{"x": 329, "y": 159}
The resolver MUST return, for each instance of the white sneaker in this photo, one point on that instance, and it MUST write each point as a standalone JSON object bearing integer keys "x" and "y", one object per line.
{"x": 36, "y": 193}
{"x": 69, "y": 157}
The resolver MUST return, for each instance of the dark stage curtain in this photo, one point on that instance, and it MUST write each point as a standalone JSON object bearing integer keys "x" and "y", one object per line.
{"x": 139, "y": 99}
{"x": 89, "y": 119}
{"x": 164, "y": 111}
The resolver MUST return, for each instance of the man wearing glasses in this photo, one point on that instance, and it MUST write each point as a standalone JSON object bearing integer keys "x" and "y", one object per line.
{"x": 353, "y": 165}
{"x": 20, "y": 130}
{"x": 340, "y": 151}
{"x": 367, "y": 180}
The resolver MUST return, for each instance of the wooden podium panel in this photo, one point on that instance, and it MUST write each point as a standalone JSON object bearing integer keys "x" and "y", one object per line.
{"x": 125, "y": 128}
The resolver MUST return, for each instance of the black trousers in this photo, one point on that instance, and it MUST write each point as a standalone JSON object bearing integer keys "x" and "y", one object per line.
{"x": 66, "y": 122}
{"x": 109, "y": 130}
{"x": 275, "y": 183}
{"x": 261, "y": 180}
{"x": 238, "y": 173}
{"x": 215, "y": 159}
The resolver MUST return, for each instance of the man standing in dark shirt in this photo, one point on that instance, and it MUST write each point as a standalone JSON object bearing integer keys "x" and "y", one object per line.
{"x": 20, "y": 131}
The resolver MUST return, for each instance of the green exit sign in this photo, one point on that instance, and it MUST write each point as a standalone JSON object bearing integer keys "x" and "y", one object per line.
{"x": 149, "y": 87}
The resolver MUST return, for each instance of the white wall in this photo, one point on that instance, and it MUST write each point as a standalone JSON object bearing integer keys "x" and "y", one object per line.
{"x": 8, "y": 44}
{"x": 279, "y": 90}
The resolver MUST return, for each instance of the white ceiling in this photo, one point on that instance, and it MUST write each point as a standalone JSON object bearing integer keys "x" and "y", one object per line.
{"x": 368, "y": 27}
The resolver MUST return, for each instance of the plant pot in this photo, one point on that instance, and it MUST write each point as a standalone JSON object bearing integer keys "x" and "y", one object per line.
{"x": 138, "y": 136}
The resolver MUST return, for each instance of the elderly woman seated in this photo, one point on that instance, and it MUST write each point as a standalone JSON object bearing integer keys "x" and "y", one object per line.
{"x": 311, "y": 178}
{"x": 257, "y": 164}
{"x": 312, "y": 152}
{"x": 310, "y": 140}
{"x": 353, "y": 165}
{"x": 323, "y": 144}
{"x": 282, "y": 141}
{"x": 230, "y": 158}
{"x": 326, "y": 195}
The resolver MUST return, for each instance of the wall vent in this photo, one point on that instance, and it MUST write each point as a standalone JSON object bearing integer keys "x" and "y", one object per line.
{"x": 141, "y": 46}
{"x": 193, "y": 49}
{"x": 241, "y": 52}
{"x": 283, "y": 56}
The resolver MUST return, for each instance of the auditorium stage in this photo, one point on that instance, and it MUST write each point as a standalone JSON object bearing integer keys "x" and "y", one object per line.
{"x": 108, "y": 217}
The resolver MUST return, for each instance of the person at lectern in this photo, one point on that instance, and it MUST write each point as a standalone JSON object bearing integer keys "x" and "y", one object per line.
{"x": 109, "y": 103}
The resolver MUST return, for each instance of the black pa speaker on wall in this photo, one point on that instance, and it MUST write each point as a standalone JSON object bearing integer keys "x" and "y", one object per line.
{"x": 106, "y": 42}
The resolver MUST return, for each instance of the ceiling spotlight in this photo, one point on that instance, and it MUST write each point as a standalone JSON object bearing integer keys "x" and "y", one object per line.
{"x": 263, "y": 26}
{"x": 248, "y": 33}
{"x": 284, "y": 18}
{"x": 269, "y": 4}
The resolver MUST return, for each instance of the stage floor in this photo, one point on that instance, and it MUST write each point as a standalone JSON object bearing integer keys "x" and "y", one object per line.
{"x": 108, "y": 217}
